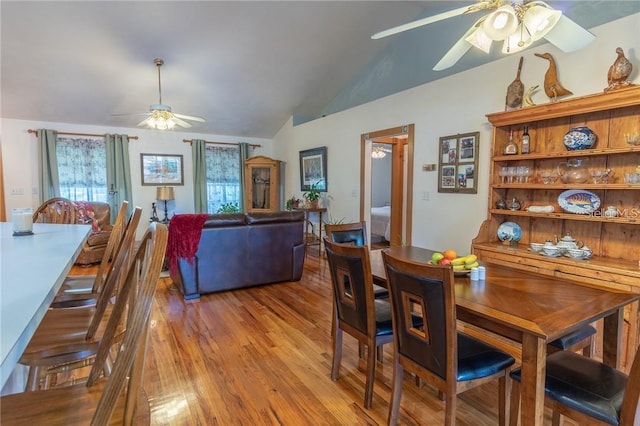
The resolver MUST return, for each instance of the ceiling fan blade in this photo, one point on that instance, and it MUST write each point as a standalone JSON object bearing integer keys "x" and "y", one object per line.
{"x": 190, "y": 117}
{"x": 132, "y": 113}
{"x": 568, "y": 36}
{"x": 423, "y": 21}
{"x": 143, "y": 122}
{"x": 179, "y": 122}
{"x": 457, "y": 51}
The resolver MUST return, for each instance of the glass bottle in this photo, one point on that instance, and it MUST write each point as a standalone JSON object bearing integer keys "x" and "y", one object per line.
{"x": 525, "y": 144}
{"x": 511, "y": 148}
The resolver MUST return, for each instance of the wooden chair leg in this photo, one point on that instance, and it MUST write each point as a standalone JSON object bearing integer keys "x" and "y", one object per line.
{"x": 514, "y": 404}
{"x": 337, "y": 354}
{"x": 361, "y": 350}
{"x": 556, "y": 419}
{"x": 450, "y": 408}
{"x": 396, "y": 392}
{"x": 504, "y": 386}
{"x": 380, "y": 353}
{"x": 371, "y": 375}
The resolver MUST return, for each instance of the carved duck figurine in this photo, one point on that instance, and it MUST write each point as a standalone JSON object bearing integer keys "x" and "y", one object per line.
{"x": 552, "y": 86}
{"x": 618, "y": 72}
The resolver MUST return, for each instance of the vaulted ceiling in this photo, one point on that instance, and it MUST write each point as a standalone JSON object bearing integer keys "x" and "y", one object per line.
{"x": 245, "y": 66}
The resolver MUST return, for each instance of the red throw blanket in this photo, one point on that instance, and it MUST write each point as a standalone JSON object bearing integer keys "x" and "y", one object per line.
{"x": 184, "y": 238}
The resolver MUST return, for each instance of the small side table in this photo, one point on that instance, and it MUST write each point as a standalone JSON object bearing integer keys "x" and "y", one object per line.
{"x": 312, "y": 238}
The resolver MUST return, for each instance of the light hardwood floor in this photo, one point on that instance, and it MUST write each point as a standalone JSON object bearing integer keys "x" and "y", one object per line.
{"x": 262, "y": 356}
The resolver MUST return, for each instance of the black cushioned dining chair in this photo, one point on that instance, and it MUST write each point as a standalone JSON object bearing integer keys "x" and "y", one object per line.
{"x": 353, "y": 233}
{"x": 358, "y": 313}
{"x": 586, "y": 390}
{"x": 580, "y": 339}
{"x": 435, "y": 351}
{"x": 356, "y": 234}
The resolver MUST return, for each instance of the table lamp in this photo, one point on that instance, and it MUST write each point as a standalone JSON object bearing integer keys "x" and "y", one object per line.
{"x": 165, "y": 193}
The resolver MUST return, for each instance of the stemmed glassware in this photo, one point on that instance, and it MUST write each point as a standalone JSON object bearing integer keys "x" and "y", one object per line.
{"x": 502, "y": 173}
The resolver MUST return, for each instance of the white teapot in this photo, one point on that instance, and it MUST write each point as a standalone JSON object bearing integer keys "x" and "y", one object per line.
{"x": 568, "y": 243}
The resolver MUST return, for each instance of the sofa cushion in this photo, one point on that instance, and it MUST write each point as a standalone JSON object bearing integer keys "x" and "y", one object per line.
{"x": 274, "y": 217}
{"x": 225, "y": 219}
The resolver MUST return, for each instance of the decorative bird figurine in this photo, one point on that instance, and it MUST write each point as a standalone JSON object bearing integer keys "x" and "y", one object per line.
{"x": 527, "y": 101}
{"x": 618, "y": 72}
{"x": 552, "y": 86}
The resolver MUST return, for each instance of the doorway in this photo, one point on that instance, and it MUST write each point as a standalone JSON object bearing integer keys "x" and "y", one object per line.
{"x": 396, "y": 142}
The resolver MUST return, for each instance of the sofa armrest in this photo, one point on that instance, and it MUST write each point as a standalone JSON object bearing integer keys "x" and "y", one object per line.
{"x": 186, "y": 278}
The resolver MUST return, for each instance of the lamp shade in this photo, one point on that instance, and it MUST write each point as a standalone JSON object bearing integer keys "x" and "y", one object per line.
{"x": 539, "y": 20}
{"x": 480, "y": 40}
{"x": 164, "y": 193}
{"x": 501, "y": 23}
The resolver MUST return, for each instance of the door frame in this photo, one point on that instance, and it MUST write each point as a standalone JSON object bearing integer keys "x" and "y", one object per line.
{"x": 401, "y": 180}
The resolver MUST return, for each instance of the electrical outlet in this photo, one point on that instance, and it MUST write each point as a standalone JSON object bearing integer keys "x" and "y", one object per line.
{"x": 17, "y": 191}
{"x": 426, "y": 196}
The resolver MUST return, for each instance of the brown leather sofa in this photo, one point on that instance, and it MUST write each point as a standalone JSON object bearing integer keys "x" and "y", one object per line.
{"x": 241, "y": 250}
{"x": 93, "y": 249}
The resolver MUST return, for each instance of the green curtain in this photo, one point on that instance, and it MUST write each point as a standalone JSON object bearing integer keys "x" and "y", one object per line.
{"x": 118, "y": 173}
{"x": 49, "y": 180}
{"x": 198, "y": 149}
{"x": 244, "y": 154}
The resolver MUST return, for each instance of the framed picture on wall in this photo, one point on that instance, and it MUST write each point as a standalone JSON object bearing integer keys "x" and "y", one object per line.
{"x": 161, "y": 169}
{"x": 313, "y": 169}
{"x": 458, "y": 163}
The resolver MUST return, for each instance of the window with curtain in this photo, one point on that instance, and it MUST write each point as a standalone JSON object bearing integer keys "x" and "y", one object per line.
{"x": 82, "y": 168}
{"x": 223, "y": 176}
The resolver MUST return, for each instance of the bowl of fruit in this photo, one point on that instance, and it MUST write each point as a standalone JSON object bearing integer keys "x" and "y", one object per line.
{"x": 461, "y": 264}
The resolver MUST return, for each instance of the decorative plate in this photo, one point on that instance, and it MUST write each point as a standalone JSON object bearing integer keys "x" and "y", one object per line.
{"x": 509, "y": 231}
{"x": 579, "y": 201}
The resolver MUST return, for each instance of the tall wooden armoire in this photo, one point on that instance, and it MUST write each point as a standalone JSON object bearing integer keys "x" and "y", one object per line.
{"x": 262, "y": 184}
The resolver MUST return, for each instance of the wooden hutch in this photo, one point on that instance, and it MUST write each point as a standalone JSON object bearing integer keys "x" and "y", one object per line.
{"x": 262, "y": 184}
{"x": 615, "y": 241}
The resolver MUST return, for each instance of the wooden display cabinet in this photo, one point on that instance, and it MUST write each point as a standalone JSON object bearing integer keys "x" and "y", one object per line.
{"x": 615, "y": 241}
{"x": 262, "y": 184}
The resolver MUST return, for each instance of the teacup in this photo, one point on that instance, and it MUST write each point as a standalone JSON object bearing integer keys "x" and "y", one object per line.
{"x": 576, "y": 253}
{"x": 536, "y": 247}
{"x": 551, "y": 251}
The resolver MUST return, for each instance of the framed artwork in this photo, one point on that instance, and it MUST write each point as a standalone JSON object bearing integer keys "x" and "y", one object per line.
{"x": 161, "y": 169}
{"x": 458, "y": 163}
{"x": 313, "y": 169}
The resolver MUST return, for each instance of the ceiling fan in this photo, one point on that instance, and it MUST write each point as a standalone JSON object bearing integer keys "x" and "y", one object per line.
{"x": 160, "y": 115}
{"x": 378, "y": 151}
{"x": 518, "y": 23}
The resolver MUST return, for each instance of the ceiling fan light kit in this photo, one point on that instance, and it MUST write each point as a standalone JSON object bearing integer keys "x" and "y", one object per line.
{"x": 160, "y": 116}
{"x": 518, "y": 23}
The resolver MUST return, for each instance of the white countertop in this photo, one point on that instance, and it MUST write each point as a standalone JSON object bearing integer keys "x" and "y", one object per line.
{"x": 32, "y": 269}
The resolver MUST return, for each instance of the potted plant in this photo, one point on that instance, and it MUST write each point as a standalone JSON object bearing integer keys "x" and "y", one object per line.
{"x": 292, "y": 203}
{"x": 228, "y": 208}
{"x": 312, "y": 195}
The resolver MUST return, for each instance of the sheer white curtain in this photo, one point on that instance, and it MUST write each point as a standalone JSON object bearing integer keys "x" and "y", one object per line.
{"x": 82, "y": 168}
{"x": 223, "y": 176}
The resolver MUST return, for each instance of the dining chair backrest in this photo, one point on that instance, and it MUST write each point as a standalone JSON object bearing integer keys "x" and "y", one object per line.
{"x": 117, "y": 274}
{"x": 425, "y": 291}
{"x": 142, "y": 280}
{"x": 352, "y": 285}
{"x": 56, "y": 210}
{"x": 114, "y": 244}
{"x": 354, "y": 233}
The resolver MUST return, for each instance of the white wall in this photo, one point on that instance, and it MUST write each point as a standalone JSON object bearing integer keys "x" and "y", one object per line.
{"x": 456, "y": 104}
{"x": 381, "y": 181}
{"x": 20, "y": 162}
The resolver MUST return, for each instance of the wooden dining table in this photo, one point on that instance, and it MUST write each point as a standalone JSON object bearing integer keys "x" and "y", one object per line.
{"x": 32, "y": 270}
{"x": 531, "y": 309}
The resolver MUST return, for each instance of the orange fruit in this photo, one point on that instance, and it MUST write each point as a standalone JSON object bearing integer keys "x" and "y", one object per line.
{"x": 450, "y": 254}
